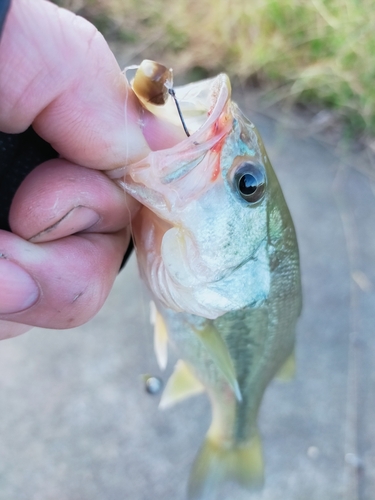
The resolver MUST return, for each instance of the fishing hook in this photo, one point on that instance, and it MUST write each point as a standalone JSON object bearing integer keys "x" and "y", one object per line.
{"x": 173, "y": 94}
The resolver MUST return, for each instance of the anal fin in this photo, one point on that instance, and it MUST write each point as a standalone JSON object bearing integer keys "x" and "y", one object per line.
{"x": 181, "y": 385}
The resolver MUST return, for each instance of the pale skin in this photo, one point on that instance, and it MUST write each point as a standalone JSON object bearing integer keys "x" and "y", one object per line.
{"x": 70, "y": 223}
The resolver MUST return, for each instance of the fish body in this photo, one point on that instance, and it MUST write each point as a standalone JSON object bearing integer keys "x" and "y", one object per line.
{"x": 216, "y": 247}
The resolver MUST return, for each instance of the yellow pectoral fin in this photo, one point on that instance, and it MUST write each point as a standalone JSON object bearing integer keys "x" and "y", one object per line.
{"x": 217, "y": 463}
{"x": 160, "y": 336}
{"x": 181, "y": 385}
{"x": 288, "y": 371}
{"x": 218, "y": 350}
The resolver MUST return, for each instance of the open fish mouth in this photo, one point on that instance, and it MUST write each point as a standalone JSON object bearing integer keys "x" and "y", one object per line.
{"x": 206, "y": 111}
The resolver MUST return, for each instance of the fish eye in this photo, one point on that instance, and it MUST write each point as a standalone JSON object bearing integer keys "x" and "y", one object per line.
{"x": 250, "y": 181}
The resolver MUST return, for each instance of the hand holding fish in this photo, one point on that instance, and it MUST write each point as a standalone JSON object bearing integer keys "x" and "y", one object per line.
{"x": 58, "y": 74}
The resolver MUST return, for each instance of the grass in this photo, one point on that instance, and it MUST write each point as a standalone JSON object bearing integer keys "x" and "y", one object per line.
{"x": 312, "y": 51}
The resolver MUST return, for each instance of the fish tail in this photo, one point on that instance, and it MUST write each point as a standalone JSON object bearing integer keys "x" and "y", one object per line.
{"x": 217, "y": 463}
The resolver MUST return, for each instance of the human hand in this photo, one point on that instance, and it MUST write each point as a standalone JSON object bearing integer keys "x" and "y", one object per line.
{"x": 69, "y": 221}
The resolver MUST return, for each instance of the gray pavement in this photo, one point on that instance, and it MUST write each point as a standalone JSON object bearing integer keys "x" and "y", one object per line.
{"x": 76, "y": 423}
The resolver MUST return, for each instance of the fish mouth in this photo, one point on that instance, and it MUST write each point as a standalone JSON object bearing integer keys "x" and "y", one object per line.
{"x": 205, "y": 107}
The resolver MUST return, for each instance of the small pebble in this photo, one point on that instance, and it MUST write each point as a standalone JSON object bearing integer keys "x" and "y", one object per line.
{"x": 153, "y": 385}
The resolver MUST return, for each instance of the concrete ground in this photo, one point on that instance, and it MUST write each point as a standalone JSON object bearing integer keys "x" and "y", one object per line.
{"x": 77, "y": 424}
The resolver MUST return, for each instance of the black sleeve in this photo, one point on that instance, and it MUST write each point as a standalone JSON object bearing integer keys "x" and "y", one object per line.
{"x": 4, "y": 7}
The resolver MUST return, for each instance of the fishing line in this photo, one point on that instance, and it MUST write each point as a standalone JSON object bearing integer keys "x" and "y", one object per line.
{"x": 127, "y": 153}
{"x": 147, "y": 340}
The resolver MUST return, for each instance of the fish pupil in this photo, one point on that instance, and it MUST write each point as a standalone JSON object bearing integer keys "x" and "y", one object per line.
{"x": 248, "y": 184}
{"x": 250, "y": 181}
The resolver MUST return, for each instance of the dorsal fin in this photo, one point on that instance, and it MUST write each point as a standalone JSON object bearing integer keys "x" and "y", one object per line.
{"x": 181, "y": 384}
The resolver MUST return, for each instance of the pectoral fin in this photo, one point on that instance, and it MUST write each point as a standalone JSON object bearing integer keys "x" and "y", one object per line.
{"x": 288, "y": 371}
{"x": 218, "y": 350}
{"x": 182, "y": 384}
{"x": 160, "y": 336}
{"x": 217, "y": 463}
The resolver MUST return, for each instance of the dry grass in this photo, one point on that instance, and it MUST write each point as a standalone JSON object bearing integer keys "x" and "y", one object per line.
{"x": 311, "y": 50}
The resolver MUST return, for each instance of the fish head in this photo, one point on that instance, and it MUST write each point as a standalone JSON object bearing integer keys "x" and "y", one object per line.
{"x": 203, "y": 235}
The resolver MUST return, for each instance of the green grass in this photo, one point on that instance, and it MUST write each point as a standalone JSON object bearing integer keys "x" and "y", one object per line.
{"x": 320, "y": 51}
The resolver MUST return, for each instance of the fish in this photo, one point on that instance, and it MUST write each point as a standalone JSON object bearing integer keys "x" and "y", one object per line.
{"x": 217, "y": 249}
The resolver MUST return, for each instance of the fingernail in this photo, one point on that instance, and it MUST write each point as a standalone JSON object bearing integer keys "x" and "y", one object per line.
{"x": 18, "y": 290}
{"x": 78, "y": 219}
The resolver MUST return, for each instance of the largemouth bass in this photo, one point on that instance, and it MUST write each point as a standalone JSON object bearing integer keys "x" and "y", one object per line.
{"x": 216, "y": 247}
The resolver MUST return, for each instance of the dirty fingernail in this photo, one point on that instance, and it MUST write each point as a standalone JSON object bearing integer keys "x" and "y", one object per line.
{"x": 18, "y": 290}
{"x": 78, "y": 219}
